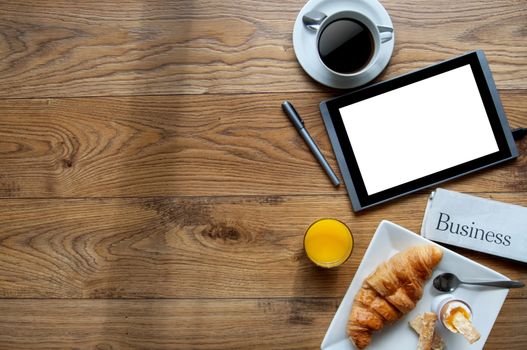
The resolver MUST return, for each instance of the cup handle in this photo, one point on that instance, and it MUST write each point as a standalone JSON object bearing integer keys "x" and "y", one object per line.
{"x": 386, "y": 33}
{"x": 313, "y": 19}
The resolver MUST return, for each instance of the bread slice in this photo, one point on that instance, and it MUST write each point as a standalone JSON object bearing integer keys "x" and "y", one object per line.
{"x": 465, "y": 327}
{"x": 427, "y": 331}
{"x": 417, "y": 325}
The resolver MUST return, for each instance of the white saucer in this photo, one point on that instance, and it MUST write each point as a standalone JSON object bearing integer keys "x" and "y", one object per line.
{"x": 305, "y": 46}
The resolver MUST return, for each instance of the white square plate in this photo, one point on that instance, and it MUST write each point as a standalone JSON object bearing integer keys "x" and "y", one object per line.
{"x": 390, "y": 239}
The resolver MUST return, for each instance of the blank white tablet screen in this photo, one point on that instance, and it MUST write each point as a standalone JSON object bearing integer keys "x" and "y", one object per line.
{"x": 418, "y": 129}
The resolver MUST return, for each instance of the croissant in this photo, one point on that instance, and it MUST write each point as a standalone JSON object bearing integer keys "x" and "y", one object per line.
{"x": 391, "y": 291}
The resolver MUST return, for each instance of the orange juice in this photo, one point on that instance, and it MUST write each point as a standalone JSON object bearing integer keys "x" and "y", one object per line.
{"x": 328, "y": 242}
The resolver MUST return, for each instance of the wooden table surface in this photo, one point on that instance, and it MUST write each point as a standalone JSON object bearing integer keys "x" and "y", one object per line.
{"x": 154, "y": 195}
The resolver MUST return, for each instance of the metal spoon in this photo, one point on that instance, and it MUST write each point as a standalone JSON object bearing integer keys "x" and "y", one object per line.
{"x": 448, "y": 282}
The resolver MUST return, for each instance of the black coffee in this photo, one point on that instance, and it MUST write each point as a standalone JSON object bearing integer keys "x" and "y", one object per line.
{"x": 346, "y": 46}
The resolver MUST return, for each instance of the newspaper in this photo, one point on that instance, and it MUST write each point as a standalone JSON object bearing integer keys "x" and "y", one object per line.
{"x": 476, "y": 223}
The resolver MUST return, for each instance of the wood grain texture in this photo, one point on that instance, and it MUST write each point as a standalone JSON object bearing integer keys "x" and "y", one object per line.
{"x": 298, "y": 323}
{"x": 186, "y": 145}
{"x": 154, "y": 196}
{"x": 210, "y": 247}
{"x": 132, "y": 47}
{"x": 164, "y": 324}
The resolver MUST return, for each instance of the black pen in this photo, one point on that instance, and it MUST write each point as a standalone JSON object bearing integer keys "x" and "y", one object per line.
{"x": 299, "y": 126}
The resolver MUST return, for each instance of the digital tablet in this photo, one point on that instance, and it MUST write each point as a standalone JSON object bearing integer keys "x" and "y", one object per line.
{"x": 418, "y": 130}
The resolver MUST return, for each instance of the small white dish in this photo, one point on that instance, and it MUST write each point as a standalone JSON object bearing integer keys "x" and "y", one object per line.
{"x": 390, "y": 239}
{"x": 304, "y": 42}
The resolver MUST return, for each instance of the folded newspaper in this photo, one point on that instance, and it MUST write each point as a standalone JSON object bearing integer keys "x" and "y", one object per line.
{"x": 476, "y": 223}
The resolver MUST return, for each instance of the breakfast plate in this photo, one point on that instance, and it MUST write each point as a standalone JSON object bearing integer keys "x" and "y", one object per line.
{"x": 390, "y": 239}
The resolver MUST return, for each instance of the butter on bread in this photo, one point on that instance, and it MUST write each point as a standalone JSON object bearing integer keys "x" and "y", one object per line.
{"x": 417, "y": 325}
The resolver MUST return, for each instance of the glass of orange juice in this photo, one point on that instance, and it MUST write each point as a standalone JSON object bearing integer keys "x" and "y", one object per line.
{"x": 328, "y": 242}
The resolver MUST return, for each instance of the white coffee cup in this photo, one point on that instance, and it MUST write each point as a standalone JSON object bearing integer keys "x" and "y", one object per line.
{"x": 356, "y": 54}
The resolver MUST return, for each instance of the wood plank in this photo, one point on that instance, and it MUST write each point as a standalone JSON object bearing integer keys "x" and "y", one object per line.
{"x": 298, "y": 323}
{"x": 164, "y": 324}
{"x": 205, "y": 247}
{"x": 427, "y": 32}
{"x": 508, "y": 331}
{"x": 185, "y": 145}
{"x": 137, "y": 47}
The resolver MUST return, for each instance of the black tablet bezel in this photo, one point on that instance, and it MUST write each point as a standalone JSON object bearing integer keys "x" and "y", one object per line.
{"x": 346, "y": 159}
